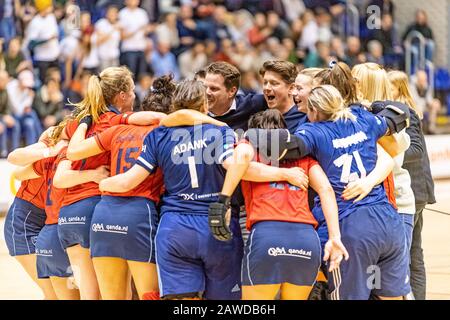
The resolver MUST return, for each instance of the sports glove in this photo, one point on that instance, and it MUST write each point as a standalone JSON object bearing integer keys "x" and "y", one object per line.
{"x": 217, "y": 221}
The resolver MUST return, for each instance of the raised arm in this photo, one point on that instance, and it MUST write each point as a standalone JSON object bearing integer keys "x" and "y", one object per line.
{"x": 189, "y": 118}
{"x": 334, "y": 248}
{"x": 145, "y": 118}
{"x": 25, "y": 173}
{"x": 35, "y": 152}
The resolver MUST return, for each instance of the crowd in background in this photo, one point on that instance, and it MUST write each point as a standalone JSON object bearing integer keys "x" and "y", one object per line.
{"x": 49, "y": 49}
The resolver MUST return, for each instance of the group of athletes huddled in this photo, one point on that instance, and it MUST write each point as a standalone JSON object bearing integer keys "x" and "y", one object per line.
{"x": 210, "y": 194}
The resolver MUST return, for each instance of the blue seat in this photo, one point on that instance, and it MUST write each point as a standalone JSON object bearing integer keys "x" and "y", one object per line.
{"x": 442, "y": 79}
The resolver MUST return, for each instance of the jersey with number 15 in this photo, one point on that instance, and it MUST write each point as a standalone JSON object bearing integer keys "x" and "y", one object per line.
{"x": 191, "y": 160}
{"x": 347, "y": 151}
{"x": 125, "y": 143}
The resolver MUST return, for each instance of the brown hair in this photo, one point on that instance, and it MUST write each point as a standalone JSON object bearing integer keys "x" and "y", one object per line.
{"x": 159, "y": 99}
{"x": 189, "y": 94}
{"x": 231, "y": 75}
{"x": 101, "y": 91}
{"x": 340, "y": 76}
{"x": 268, "y": 119}
{"x": 287, "y": 70}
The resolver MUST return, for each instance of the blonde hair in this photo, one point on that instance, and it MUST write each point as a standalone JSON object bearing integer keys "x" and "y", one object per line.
{"x": 189, "y": 94}
{"x": 102, "y": 90}
{"x": 373, "y": 82}
{"x": 327, "y": 100}
{"x": 400, "y": 81}
{"x": 310, "y": 72}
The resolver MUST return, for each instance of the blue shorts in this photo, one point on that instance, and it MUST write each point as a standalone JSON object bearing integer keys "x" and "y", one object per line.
{"x": 75, "y": 222}
{"x": 52, "y": 260}
{"x": 379, "y": 259}
{"x": 124, "y": 227}
{"x": 281, "y": 252}
{"x": 23, "y": 223}
{"x": 190, "y": 260}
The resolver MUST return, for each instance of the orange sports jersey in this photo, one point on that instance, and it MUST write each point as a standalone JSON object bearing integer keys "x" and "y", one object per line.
{"x": 46, "y": 168}
{"x": 125, "y": 144}
{"x": 389, "y": 187}
{"x": 34, "y": 190}
{"x": 90, "y": 189}
{"x": 278, "y": 201}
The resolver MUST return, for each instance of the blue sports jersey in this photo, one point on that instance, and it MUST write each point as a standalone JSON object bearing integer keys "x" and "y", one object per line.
{"x": 346, "y": 152}
{"x": 294, "y": 118}
{"x": 191, "y": 160}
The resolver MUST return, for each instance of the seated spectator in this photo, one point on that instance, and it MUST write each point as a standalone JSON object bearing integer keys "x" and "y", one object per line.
{"x": 375, "y": 52}
{"x": 7, "y": 20}
{"x": 319, "y": 58}
{"x": 250, "y": 83}
{"x": 77, "y": 90}
{"x": 425, "y": 101}
{"x": 21, "y": 95}
{"x": 168, "y": 31}
{"x": 187, "y": 27}
{"x": 107, "y": 31}
{"x": 324, "y": 19}
{"x": 164, "y": 62}
{"x": 386, "y": 6}
{"x": 354, "y": 53}
{"x": 310, "y": 32}
{"x": 88, "y": 54}
{"x": 192, "y": 60}
{"x": 421, "y": 25}
{"x": 226, "y": 52}
{"x": 293, "y": 9}
{"x": 289, "y": 45}
{"x": 280, "y": 29}
{"x": 42, "y": 38}
{"x": 48, "y": 103}
{"x": 337, "y": 49}
{"x": 260, "y": 31}
{"x": 143, "y": 86}
{"x": 14, "y": 59}
{"x": 241, "y": 25}
{"x": 389, "y": 39}
{"x": 9, "y": 129}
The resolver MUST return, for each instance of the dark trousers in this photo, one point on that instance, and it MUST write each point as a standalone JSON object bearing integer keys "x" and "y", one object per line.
{"x": 418, "y": 275}
{"x": 43, "y": 66}
{"x": 135, "y": 61}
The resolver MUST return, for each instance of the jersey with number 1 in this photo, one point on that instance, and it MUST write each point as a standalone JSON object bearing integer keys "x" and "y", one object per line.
{"x": 347, "y": 151}
{"x": 191, "y": 160}
{"x": 125, "y": 144}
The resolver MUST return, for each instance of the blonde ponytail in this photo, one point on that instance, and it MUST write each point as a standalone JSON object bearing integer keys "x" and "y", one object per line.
{"x": 327, "y": 100}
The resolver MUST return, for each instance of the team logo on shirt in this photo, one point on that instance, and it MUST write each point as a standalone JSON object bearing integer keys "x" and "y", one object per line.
{"x": 99, "y": 227}
{"x": 282, "y": 251}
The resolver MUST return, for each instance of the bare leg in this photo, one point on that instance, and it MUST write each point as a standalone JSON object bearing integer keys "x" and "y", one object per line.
{"x": 145, "y": 277}
{"x": 84, "y": 272}
{"x": 64, "y": 289}
{"x": 28, "y": 262}
{"x": 113, "y": 279}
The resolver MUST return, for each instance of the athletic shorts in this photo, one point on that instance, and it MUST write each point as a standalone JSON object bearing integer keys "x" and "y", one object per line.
{"x": 52, "y": 260}
{"x": 23, "y": 223}
{"x": 281, "y": 252}
{"x": 124, "y": 227}
{"x": 190, "y": 260}
{"x": 379, "y": 258}
{"x": 75, "y": 222}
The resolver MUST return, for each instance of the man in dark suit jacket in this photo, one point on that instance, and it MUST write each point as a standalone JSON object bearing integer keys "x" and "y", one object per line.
{"x": 417, "y": 163}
